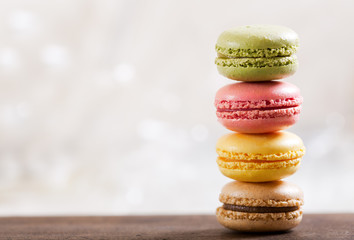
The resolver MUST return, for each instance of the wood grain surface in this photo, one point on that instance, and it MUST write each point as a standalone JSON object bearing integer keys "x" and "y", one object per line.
{"x": 313, "y": 226}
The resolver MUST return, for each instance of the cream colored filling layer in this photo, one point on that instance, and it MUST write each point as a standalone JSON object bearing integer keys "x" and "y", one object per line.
{"x": 255, "y": 156}
{"x": 257, "y": 165}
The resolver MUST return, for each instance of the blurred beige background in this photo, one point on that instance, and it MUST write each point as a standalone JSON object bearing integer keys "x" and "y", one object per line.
{"x": 106, "y": 107}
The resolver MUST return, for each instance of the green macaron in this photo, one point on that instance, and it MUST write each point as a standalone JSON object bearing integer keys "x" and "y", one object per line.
{"x": 257, "y": 53}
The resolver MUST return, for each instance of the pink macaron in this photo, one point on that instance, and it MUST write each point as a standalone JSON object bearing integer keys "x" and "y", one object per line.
{"x": 258, "y": 107}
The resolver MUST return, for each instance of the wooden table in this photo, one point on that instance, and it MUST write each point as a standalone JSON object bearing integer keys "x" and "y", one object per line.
{"x": 313, "y": 226}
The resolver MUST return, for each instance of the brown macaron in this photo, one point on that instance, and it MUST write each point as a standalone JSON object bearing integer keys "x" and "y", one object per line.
{"x": 260, "y": 207}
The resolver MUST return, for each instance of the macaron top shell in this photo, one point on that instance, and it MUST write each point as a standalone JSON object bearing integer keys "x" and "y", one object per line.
{"x": 257, "y": 37}
{"x": 260, "y": 91}
{"x": 268, "y": 146}
{"x": 277, "y": 190}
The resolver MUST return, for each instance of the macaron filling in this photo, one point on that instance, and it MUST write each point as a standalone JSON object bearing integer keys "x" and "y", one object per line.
{"x": 248, "y": 209}
{"x": 256, "y": 53}
{"x": 264, "y": 109}
{"x": 225, "y": 61}
{"x": 228, "y": 163}
{"x": 262, "y": 104}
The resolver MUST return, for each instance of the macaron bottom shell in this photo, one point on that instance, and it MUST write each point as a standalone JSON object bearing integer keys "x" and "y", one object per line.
{"x": 258, "y": 222}
{"x": 259, "y": 125}
{"x": 259, "y": 175}
{"x": 255, "y": 74}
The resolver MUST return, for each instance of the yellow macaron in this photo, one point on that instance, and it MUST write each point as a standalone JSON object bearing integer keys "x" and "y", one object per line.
{"x": 259, "y": 157}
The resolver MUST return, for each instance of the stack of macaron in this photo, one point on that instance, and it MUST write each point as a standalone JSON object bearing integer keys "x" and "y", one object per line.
{"x": 258, "y": 154}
